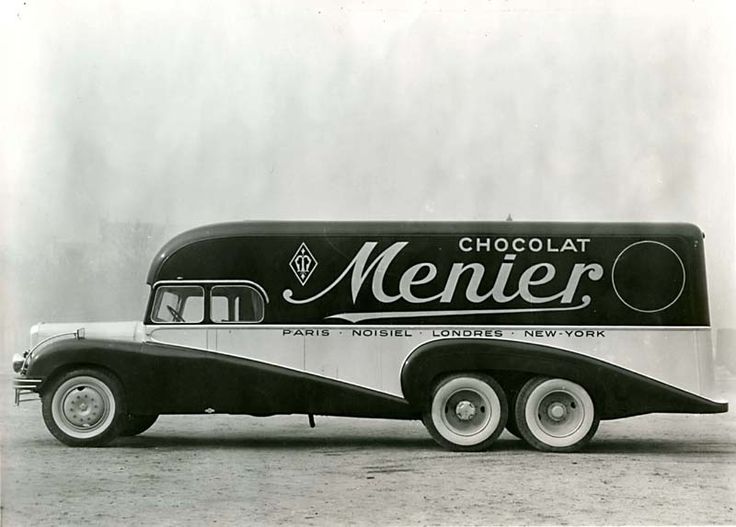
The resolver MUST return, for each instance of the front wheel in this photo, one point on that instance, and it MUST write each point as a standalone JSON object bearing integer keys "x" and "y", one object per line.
{"x": 555, "y": 415}
{"x": 467, "y": 412}
{"x": 83, "y": 407}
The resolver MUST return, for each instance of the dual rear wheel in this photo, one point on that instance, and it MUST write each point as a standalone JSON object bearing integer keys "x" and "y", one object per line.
{"x": 467, "y": 412}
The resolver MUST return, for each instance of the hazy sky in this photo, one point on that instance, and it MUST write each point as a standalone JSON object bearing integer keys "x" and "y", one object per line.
{"x": 198, "y": 112}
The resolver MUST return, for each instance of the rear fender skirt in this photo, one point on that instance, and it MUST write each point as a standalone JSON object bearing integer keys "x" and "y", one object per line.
{"x": 165, "y": 379}
{"x": 617, "y": 392}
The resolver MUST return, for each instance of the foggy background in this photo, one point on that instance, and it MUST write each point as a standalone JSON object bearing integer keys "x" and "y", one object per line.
{"x": 124, "y": 123}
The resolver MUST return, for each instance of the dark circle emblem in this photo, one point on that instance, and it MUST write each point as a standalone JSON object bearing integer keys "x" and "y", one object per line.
{"x": 648, "y": 276}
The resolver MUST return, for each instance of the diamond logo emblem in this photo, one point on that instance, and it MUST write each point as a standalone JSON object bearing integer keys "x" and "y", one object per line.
{"x": 303, "y": 263}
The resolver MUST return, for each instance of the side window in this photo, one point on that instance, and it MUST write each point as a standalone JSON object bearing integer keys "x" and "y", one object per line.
{"x": 235, "y": 304}
{"x": 178, "y": 304}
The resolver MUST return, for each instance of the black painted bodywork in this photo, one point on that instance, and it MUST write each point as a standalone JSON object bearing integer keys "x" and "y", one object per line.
{"x": 165, "y": 379}
{"x": 262, "y": 253}
{"x": 617, "y": 392}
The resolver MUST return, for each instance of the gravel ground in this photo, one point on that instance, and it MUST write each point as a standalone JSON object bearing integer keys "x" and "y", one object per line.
{"x": 234, "y": 470}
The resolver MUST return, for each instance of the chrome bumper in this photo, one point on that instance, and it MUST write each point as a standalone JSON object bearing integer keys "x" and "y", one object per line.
{"x": 26, "y": 390}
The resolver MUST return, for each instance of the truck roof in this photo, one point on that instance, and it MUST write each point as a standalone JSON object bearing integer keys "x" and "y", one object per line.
{"x": 406, "y": 228}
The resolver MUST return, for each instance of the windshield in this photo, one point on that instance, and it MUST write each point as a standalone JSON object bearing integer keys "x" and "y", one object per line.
{"x": 178, "y": 304}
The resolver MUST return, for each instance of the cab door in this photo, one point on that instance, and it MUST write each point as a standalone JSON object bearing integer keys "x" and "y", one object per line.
{"x": 236, "y": 311}
{"x": 177, "y": 315}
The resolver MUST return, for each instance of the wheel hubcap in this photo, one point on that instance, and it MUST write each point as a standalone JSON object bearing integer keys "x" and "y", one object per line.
{"x": 83, "y": 407}
{"x": 560, "y": 413}
{"x": 465, "y": 410}
{"x": 556, "y": 411}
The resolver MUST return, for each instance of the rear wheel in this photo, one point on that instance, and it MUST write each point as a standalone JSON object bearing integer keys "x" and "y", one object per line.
{"x": 137, "y": 424}
{"x": 83, "y": 407}
{"x": 467, "y": 412}
{"x": 555, "y": 415}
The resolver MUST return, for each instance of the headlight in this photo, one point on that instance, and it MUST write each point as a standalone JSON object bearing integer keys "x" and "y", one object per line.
{"x": 18, "y": 361}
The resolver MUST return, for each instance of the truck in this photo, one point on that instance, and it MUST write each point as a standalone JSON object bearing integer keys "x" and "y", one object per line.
{"x": 540, "y": 328}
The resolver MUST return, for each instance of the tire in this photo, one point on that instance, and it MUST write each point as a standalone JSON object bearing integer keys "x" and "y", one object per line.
{"x": 137, "y": 424}
{"x": 466, "y": 412}
{"x": 555, "y": 415}
{"x": 83, "y": 407}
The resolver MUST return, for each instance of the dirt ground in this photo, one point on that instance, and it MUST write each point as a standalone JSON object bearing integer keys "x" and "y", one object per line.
{"x": 236, "y": 470}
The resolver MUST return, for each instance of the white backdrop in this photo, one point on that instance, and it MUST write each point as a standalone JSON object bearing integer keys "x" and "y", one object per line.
{"x": 122, "y": 123}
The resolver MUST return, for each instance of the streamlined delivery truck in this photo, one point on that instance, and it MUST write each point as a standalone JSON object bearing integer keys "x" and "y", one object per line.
{"x": 540, "y": 328}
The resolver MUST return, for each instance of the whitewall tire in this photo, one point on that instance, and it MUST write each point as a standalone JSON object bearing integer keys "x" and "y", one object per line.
{"x": 555, "y": 415}
{"x": 83, "y": 407}
{"x": 466, "y": 412}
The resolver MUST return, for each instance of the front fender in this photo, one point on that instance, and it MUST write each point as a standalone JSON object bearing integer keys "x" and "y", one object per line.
{"x": 60, "y": 354}
{"x": 617, "y": 392}
{"x": 166, "y": 379}
{"x": 121, "y": 358}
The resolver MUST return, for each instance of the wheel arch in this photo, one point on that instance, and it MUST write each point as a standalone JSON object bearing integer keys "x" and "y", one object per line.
{"x": 617, "y": 392}
{"x": 120, "y": 359}
{"x": 63, "y": 369}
